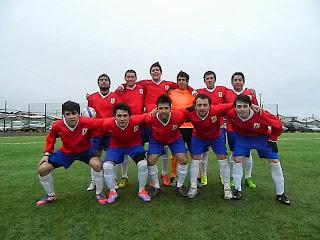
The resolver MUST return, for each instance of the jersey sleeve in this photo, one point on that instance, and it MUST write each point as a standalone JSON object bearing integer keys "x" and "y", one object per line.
{"x": 221, "y": 109}
{"x": 274, "y": 122}
{"x": 51, "y": 139}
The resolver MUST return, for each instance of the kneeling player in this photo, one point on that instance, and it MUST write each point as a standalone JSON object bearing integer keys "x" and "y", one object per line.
{"x": 126, "y": 138}
{"x": 75, "y": 133}
{"x": 260, "y": 132}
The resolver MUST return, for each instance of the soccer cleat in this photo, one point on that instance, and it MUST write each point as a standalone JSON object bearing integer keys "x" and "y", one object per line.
{"x": 173, "y": 182}
{"x": 231, "y": 183}
{"x": 193, "y": 192}
{"x": 47, "y": 199}
{"x": 250, "y": 183}
{"x": 204, "y": 180}
{"x": 221, "y": 180}
{"x": 227, "y": 193}
{"x": 165, "y": 180}
{"x": 101, "y": 198}
{"x": 181, "y": 191}
{"x": 283, "y": 199}
{"x": 92, "y": 186}
{"x": 123, "y": 182}
{"x": 144, "y": 196}
{"x": 236, "y": 194}
{"x": 154, "y": 192}
{"x": 112, "y": 197}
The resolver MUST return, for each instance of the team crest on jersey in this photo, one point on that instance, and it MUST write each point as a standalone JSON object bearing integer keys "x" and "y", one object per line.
{"x": 214, "y": 119}
{"x": 256, "y": 125}
{"x": 141, "y": 91}
{"x": 135, "y": 128}
{"x": 220, "y": 94}
{"x": 84, "y": 131}
{"x": 166, "y": 87}
{"x": 174, "y": 127}
{"x": 112, "y": 100}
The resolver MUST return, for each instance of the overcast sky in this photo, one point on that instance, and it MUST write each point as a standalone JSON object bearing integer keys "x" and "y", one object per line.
{"x": 53, "y": 51}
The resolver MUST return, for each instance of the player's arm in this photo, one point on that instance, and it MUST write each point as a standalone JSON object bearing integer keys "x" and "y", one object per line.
{"x": 275, "y": 123}
{"x": 50, "y": 142}
{"x": 221, "y": 109}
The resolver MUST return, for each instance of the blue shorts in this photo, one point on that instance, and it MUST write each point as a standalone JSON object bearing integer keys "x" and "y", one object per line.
{"x": 99, "y": 143}
{"x": 199, "y": 146}
{"x": 116, "y": 154}
{"x": 60, "y": 159}
{"x": 244, "y": 144}
{"x": 158, "y": 148}
{"x": 231, "y": 136}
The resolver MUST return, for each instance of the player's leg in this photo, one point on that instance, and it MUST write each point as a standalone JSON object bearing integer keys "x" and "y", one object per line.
{"x": 231, "y": 138}
{"x": 247, "y": 168}
{"x": 164, "y": 173}
{"x": 204, "y": 167}
{"x": 124, "y": 172}
{"x": 96, "y": 146}
{"x": 237, "y": 176}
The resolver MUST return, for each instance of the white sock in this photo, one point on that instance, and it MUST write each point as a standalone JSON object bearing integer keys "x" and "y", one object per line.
{"x": 164, "y": 160}
{"x": 115, "y": 173}
{"x": 153, "y": 173}
{"x": 92, "y": 172}
{"x": 247, "y": 166}
{"x": 194, "y": 171}
{"x": 98, "y": 178}
{"x": 225, "y": 172}
{"x": 231, "y": 162}
{"x": 182, "y": 173}
{"x": 277, "y": 177}
{"x": 237, "y": 175}
{"x": 47, "y": 184}
{"x": 108, "y": 169}
{"x": 204, "y": 164}
{"x": 142, "y": 174}
{"x": 124, "y": 166}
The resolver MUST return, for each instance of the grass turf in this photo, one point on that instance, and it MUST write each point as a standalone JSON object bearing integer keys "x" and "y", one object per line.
{"x": 76, "y": 215}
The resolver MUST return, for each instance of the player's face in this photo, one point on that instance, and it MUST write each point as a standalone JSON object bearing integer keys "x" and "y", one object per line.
{"x": 164, "y": 111}
{"x": 122, "y": 118}
{"x": 243, "y": 109}
{"x": 237, "y": 83}
{"x": 71, "y": 118}
{"x": 209, "y": 80}
{"x": 202, "y": 107}
{"x": 182, "y": 83}
{"x": 104, "y": 83}
{"x": 155, "y": 73}
{"x": 130, "y": 79}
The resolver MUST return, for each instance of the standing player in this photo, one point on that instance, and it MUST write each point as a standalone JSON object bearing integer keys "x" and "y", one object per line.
{"x": 126, "y": 139}
{"x": 133, "y": 96}
{"x": 260, "y": 132}
{"x": 103, "y": 103}
{"x": 181, "y": 99}
{"x": 217, "y": 95}
{"x": 75, "y": 133}
{"x": 237, "y": 81}
{"x": 165, "y": 131}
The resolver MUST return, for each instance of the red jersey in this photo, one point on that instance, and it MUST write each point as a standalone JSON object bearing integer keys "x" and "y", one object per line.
{"x": 153, "y": 90}
{"x": 256, "y": 125}
{"x": 166, "y": 133}
{"x": 217, "y": 94}
{"x": 231, "y": 96}
{"x": 74, "y": 140}
{"x": 129, "y": 136}
{"x": 134, "y": 97}
{"x": 103, "y": 104}
{"x": 208, "y": 128}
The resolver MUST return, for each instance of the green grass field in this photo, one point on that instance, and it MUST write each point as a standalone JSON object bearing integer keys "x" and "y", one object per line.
{"x": 76, "y": 215}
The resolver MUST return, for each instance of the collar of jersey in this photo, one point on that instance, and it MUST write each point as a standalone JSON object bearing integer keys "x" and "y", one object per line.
{"x": 132, "y": 87}
{"x": 251, "y": 113}
{"x": 157, "y": 83}
{"x": 122, "y": 128}
{"x": 164, "y": 124}
{"x": 70, "y": 128}
{"x": 211, "y": 90}
{"x": 203, "y": 118}
{"x": 104, "y": 96}
{"x": 238, "y": 93}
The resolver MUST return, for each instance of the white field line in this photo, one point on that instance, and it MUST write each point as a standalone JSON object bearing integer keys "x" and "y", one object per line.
{"x": 288, "y": 139}
{"x": 21, "y": 143}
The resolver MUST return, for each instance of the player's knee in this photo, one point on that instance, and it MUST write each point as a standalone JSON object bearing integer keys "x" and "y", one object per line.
{"x": 152, "y": 160}
{"x": 142, "y": 164}
{"x": 95, "y": 164}
{"x": 44, "y": 170}
{"x": 238, "y": 159}
{"x": 221, "y": 157}
{"x": 273, "y": 160}
{"x": 182, "y": 159}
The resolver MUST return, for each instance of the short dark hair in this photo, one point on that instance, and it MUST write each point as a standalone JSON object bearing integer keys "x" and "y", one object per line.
{"x": 238, "y": 73}
{"x": 203, "y": 97}
{"x": 121, "y": 106}
{"x": 130, "y": 71}
{"x": 164, "y": 99}
{"x": 183, "y": 74}
{"x": 71, "y": 107}
{"x": 242, "y": 98}
{"x": 208, "y": 73}
{"x": 104, "y": 75}
{"x": 157, "y": 64}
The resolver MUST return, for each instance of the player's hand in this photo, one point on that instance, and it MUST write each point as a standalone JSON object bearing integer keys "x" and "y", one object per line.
{"x": 43, "y": 160}
{"x": 153, "y": 112}
{"x": 253, "y": 92}
{"x": 194, "y": 93}
{"x": 256, "y": 109}
{"x": 273, "y": 145}
{"x": 120, "y": 88}
{"x": 87, "y": 96}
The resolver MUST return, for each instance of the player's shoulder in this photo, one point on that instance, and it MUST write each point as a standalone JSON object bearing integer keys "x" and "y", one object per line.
{"x": 221, "y": 88}
{"x": 93, "y": 95}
